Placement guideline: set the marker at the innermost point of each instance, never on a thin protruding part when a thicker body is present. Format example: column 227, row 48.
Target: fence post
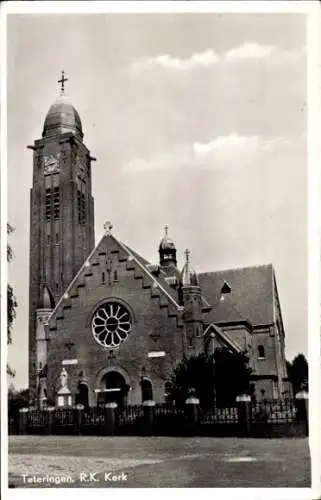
column 302, row 405
column 110, row 418
column 79, row 415
column 148, row 409
column 244, row 412
column 50, row 410
column 192, row 413
column 23, row 421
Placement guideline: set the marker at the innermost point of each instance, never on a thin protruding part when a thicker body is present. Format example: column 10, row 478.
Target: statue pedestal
column 64, row 398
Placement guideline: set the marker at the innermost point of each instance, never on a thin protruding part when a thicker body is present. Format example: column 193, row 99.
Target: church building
column 107, row 325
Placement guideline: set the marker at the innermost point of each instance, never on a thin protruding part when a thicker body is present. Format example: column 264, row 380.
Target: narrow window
column 56, row 203
column 48, row 204
column 48, row 239
column 103, row 277
column 115, row 276
column 81, row 203
column 261, row 351
column 57, row 288
column 57, row 237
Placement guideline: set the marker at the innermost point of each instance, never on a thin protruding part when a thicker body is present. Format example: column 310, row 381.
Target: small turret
column 45, row 307
column 167, row 251
column 192, row 301
column 189, row 276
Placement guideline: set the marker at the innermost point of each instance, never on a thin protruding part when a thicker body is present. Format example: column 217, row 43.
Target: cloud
column 221, row 152
column 165, row 61
column 209, row 58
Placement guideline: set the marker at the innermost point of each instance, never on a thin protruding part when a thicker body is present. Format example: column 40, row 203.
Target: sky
column 197, row 121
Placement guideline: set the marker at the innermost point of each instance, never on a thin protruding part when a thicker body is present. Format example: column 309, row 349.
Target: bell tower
column 61, row 210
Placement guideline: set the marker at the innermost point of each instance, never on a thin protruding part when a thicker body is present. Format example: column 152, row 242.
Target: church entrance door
column 114, row 389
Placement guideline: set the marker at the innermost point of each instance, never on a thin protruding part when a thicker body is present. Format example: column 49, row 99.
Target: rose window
column 111, row 324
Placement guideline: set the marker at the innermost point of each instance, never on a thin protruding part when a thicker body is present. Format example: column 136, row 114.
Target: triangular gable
column 158, row 283
column 224, row 336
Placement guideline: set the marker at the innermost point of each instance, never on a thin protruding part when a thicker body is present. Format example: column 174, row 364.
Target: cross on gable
column 108, row 226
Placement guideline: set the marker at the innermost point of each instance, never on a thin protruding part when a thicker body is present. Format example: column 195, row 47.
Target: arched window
column 261, row 351
column 82, row 395
column 147, row 389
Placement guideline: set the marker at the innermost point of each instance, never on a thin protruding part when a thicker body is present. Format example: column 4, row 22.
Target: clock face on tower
column 51, row 164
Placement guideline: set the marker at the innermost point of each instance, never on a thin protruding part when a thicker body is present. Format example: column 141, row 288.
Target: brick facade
column 169, row 310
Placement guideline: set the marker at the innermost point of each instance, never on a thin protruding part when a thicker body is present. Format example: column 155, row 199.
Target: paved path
column 81, row 461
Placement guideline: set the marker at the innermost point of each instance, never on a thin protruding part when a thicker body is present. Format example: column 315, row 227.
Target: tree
column 232, row 376
column 17, row 400
column 298, row 373
column 11, row 301
column 195, row 372
column 225, row 374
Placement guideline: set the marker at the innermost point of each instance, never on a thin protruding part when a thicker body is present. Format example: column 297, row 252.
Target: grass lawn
column 158, row 462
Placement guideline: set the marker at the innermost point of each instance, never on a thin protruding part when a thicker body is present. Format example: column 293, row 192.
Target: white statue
column 63, row 378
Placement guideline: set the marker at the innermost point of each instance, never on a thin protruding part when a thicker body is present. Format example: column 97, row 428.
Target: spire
column 62, row 81
column 189, row 276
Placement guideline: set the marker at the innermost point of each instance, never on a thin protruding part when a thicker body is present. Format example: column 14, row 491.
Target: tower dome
column 62, row 117
column 189, row 276
column 166, row 243
column 167, row 250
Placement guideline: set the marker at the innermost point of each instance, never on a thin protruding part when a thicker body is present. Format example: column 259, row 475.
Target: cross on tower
column 187, row 254
column 166, row 231
column 62, row 81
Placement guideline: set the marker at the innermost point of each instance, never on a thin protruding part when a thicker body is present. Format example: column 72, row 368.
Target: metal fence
column 37, row 418
column 284, row 411
column 130, row 415
column 219, row 416
column 264, row 418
